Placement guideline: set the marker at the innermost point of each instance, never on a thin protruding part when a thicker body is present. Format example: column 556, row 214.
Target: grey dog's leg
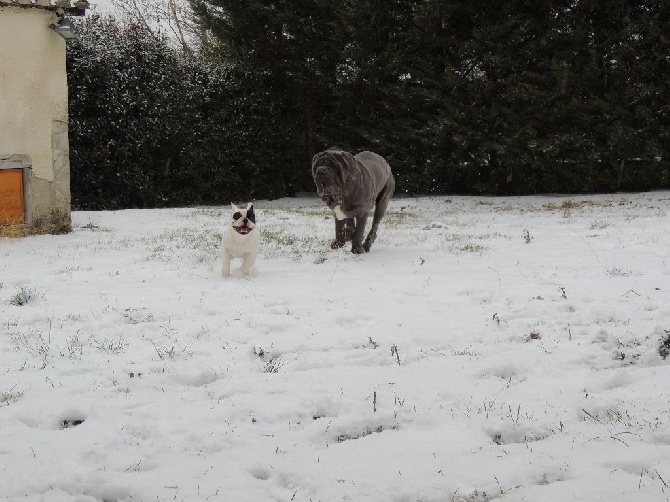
column 349, row 226
column 357, row 236
column 380, row 210
column 340, row 234
column 343, row 231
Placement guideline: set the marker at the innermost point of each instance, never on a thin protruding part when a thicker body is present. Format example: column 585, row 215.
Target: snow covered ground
column 485, row 349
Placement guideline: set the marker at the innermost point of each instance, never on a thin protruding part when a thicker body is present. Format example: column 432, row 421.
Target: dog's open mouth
column 242, row 230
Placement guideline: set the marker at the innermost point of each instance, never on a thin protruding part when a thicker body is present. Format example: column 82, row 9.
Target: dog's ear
column 237, row 214
column 345, row 164
column 315, row 161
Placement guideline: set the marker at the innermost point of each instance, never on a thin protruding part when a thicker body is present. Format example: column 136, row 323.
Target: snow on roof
column 61, row 7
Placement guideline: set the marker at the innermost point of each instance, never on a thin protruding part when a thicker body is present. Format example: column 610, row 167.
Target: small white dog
column 240, row 240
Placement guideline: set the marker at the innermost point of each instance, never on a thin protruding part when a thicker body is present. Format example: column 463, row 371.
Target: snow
column 102, row 7
column 485, row 349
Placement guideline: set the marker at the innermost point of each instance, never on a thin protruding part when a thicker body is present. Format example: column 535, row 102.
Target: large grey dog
column 352, row 185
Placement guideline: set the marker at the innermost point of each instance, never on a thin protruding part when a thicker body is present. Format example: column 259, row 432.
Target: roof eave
column 60, row 10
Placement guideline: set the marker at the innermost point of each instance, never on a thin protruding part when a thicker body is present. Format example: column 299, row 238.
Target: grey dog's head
column 330, row 170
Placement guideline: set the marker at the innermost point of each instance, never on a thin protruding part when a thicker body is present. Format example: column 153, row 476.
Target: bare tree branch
column 170, row 18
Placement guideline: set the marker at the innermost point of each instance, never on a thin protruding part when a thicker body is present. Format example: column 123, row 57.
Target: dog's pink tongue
column 242, row 230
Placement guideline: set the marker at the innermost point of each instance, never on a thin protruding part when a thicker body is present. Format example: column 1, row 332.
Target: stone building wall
column 33, row 109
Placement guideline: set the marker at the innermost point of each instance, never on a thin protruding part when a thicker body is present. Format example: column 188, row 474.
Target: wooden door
column 11, row 196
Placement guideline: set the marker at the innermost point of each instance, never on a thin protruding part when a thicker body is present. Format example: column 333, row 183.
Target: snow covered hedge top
column 69, row 7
